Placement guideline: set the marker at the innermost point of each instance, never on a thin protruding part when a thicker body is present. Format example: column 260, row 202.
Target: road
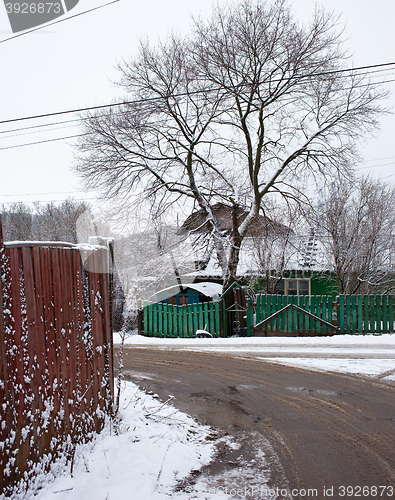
column 323, row 431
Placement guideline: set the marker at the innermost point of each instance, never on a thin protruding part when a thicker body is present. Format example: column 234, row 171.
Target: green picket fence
column 365, row 313
column 293, row 320
column 276, row 314
column 166, row 320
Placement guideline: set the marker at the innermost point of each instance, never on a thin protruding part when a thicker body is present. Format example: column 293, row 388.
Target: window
column 293, row 286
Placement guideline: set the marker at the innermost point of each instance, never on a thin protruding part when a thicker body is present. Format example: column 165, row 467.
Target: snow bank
column 156, row 446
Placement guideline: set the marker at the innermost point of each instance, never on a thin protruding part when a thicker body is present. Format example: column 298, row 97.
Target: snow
column 157, row 446
column 366, row 355
column 208, row 289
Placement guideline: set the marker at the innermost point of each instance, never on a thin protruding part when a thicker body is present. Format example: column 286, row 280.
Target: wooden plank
column 258, row 308
column 190, row 320
column 359, row 313
column 175, row 321
column 306, row 323
column 206, row 325
column 318, row 313
column 40, row 350
column 211, row 318
column 324, row 312
column 145, row 315
column 195, row 318
column 312, row 329
column 354, row 328
column 348, row 314
column 165, row 320
column 330, row 310
column 184, row 316
column 170, row 321
column 366, row 325
column 385, row 313
column 201, row 321
column 340, row 314
column 391, row 314
column 160, row 320
column 379, row 316
column 180, row 321
column 217, row 319
column 372, row 314
column 83, row 380
column 154, row 320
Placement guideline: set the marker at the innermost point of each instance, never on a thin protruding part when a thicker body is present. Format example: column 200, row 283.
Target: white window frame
column 287, row 280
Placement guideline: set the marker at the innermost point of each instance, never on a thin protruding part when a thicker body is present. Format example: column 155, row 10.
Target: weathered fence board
column 56, row 372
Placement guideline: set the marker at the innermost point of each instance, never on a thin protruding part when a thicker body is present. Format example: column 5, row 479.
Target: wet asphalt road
column 329, row 431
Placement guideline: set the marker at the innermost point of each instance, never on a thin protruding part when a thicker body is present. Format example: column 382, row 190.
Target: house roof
column 208, row 289
column 223, row 215
column 303, row 252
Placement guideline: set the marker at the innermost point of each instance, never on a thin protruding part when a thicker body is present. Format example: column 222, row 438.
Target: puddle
column 313, row 392
column 246, row 387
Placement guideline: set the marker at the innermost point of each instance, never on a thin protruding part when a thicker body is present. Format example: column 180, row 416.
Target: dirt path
column 323, row 431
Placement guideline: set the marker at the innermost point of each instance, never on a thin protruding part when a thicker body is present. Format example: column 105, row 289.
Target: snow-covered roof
column 212, row 290
column 302, row 252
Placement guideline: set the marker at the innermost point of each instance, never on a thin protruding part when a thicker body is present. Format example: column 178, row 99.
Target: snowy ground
column 158, row 446
column 366, row 355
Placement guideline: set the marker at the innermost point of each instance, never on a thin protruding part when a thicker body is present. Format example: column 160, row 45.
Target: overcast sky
column 70, row 65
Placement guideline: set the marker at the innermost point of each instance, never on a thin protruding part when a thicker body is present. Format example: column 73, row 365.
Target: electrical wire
column 152, row 99
column 42, row 142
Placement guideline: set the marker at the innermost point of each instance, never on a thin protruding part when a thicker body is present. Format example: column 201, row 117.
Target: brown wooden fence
column 56, row 376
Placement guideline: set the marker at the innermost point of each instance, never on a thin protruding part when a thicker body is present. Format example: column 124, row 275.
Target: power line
column 380, row 159
column 375, row 166
column 58, row 21
column 90, row 108
column 61, row 122
column 40, row 126
column 47, row 201
column 42, row 194
column 42, row 142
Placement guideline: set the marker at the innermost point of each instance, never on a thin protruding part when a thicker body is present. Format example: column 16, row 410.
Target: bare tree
column 357, row 220
column 247, row 108
column 49, row 221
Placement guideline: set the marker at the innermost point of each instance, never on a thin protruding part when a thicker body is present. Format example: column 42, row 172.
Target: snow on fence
column 56, row 377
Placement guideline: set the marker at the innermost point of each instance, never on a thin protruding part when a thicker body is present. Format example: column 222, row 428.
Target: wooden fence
column 165, row 320
column 366, row 313
column 314, row 315
column 56, row 377
column 308, row 315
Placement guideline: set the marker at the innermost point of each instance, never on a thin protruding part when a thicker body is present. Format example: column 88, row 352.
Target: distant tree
column 44, row 222
column 357, row 221
column 246, row 109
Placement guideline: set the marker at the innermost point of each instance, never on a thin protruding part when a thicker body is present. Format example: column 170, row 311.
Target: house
column 191, row 293
column 273, row 258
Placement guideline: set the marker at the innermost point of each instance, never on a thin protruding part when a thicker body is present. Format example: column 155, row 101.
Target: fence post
column 250, row 318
